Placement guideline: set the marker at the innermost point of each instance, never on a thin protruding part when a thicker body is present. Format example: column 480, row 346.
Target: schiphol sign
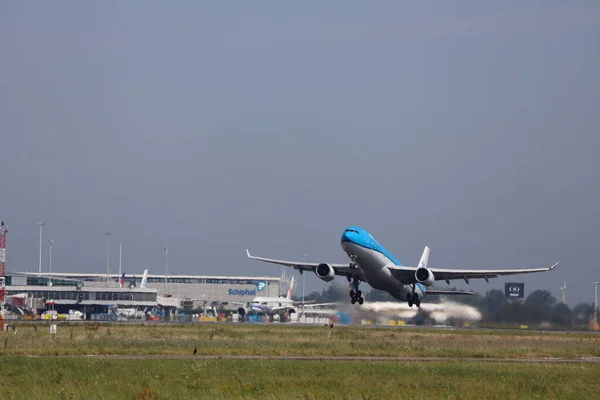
column 514, row 290
column 260, row 286
column 241, row 292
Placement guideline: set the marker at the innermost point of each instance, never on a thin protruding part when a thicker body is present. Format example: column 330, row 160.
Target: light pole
column 107, row 256
column 50, row 262
column 302, row 273
column 166, row 267
column 596, row 304
column 120, row 253
column 40, row 224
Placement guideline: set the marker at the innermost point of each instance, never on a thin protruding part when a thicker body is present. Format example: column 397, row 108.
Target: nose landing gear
column 356, row 294
column 352, row 263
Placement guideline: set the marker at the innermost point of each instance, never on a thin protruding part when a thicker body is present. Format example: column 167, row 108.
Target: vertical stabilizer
column 424, row 258
column 291, row 289
column 144, row 279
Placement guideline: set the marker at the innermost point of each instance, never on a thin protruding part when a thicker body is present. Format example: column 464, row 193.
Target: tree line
column 539, row 307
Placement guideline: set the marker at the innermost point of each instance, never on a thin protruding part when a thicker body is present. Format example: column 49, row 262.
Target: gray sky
column 471, row 127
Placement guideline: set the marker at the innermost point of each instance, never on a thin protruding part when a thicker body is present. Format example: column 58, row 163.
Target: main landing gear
column 413, row 298
column 355, row 293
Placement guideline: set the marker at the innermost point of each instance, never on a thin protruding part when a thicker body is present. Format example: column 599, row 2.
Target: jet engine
column 325, row 272
column 241, row 311
column 424, row 276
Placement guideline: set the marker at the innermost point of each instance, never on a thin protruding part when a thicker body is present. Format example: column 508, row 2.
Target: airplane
column 274, row 305
column 370, row 262
column 143, row 283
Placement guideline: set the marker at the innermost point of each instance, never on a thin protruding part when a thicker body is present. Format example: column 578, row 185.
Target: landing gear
column 413, row 298
column 356, row 294
column 352, row 263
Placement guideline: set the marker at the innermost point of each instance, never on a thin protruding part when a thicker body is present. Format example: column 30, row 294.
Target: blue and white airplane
column 370, row 262
column 275, row 305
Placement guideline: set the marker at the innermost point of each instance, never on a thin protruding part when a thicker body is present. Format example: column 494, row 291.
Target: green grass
column 246, row 339
column 85, row 378
column 100, row 378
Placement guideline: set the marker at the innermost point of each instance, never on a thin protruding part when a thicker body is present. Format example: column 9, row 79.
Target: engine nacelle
column 241, row 311
column 325, row 272
column 424, row 276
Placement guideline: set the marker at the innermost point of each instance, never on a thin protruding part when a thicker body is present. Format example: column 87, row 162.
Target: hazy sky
column 472, row 127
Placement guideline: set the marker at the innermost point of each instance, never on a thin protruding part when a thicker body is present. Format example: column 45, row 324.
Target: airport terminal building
column 96, row 291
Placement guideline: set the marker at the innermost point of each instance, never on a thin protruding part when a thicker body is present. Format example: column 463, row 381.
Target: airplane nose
column 346, row 237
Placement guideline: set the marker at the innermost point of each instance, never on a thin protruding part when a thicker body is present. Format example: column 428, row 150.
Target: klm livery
column 370, row 262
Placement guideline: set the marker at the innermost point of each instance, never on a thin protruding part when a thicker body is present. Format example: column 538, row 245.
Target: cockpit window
column 351, row 230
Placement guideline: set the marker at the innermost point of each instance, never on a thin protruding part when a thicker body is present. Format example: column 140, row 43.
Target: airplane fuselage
column 267, row 304
column 372, row 259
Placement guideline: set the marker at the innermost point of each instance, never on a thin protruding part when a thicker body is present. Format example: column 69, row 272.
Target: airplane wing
column 306, row 305
column 407, row 274
column 286, row 307
column 340, row 269
column 224, row 302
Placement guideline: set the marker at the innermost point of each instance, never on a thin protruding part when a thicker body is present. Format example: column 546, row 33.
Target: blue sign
column 241, row 292
column 260, row 285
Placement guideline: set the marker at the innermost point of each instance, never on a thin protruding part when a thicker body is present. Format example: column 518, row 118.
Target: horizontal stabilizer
column 451, row 292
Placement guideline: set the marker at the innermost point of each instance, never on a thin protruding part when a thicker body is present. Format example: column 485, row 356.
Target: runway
column 369, row 326
column 542, row 360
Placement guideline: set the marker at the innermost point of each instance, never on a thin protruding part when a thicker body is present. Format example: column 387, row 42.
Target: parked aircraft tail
column 144, row 279
column 291, row 289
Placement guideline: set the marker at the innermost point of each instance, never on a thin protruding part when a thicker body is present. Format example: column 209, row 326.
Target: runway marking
column 583, row 360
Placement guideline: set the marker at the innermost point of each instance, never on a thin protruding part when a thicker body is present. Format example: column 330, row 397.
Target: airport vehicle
column 370, row 262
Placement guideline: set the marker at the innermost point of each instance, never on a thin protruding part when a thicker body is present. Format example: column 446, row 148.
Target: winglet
column 554, row 266
column 248, row 253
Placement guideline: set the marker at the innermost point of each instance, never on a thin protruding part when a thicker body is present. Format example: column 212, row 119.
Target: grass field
column 84, row 378
column 248, row 339
column 52, row 376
